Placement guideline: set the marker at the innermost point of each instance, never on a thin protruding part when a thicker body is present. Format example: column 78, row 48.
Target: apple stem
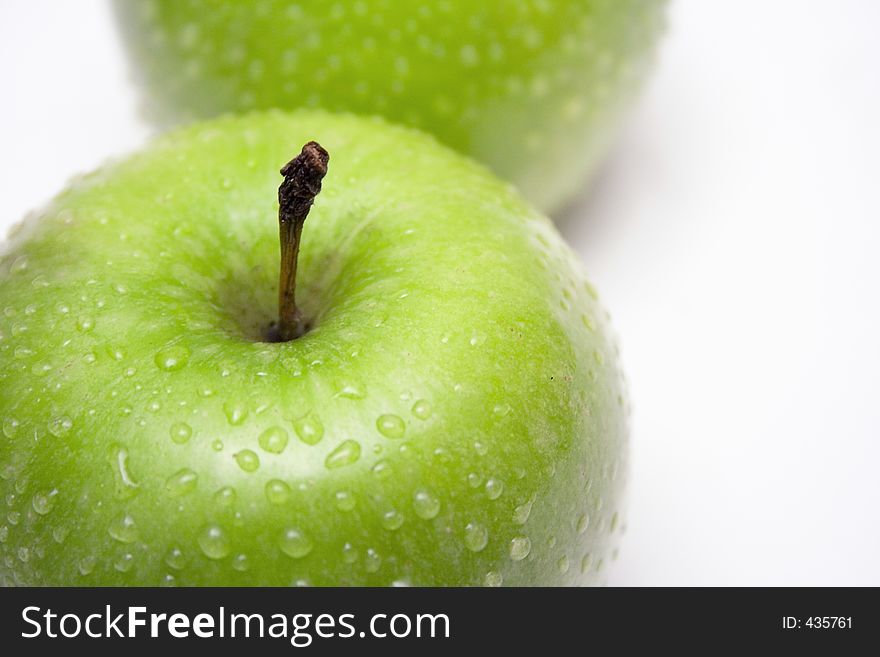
column 302, row 183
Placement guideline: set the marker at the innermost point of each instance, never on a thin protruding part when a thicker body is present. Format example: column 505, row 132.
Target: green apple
column 531, row 88
column 450, row 413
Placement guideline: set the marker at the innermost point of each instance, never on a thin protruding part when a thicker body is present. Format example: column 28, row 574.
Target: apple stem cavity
column 297, row 192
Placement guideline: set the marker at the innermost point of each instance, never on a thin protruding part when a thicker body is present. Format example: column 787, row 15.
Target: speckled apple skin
column 532, row 88
column 455, row 417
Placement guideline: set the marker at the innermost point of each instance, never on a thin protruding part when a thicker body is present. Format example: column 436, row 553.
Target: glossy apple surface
column 455, row 416
column 531, row 88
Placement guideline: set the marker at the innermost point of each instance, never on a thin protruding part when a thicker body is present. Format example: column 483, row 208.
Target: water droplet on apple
column 10, row 427
column 583, row 523
column 126, row 487
column 247, row 460
column 181, row 432
column 174, row 558
column 225, row 497
column 241, row 563
column 60, row 534
column 493, row 579
column 344, row 500
column 43, row 502
column 382, row 469
column 273, row 440
column 421, row 409
column 392, row 520
column 172, row 358
column 213, row 542
column 294, row 544
column 351, row 392
column 589, row 323
column 481, row 448
column 346, row 453
column 391, row 426
column 474, row 480
column 86, row 565
column 309, row 429
column 522, row 512
column 426, row 505
column 182, row 482
column 349, row 553
column 586, row 563
column 475, row 537
column 562, row 564
column 85, row 324
column 123, row 529
column 494, row 488
column 372, row 561
column 236, row 413
column 501, row 410
column 277, row 491
column 520, row 547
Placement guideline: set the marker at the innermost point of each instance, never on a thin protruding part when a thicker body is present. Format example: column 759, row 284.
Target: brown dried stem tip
column 302, row 183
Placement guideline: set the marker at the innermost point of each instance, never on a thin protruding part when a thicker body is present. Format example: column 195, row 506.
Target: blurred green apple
column 452, row 415
column 529, row 87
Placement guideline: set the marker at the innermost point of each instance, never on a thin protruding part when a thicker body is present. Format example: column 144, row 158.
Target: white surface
column 733, row 233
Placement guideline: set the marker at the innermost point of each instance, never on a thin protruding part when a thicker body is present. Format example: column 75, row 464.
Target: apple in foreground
column 531, row 88
column 438, row 403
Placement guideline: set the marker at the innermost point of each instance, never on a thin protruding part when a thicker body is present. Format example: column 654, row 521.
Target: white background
column 733, row 233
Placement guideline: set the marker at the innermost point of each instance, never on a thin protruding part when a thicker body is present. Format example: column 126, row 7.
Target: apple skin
column 530, row 88
column 455, row 417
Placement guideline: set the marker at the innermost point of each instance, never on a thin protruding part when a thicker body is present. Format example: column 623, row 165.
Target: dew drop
column 422, row 409
column 346, row 453
column 583, row 523
column 236, row 413
column 474, row 480
column 10, row 427
column 351, row 392
column 392, row 520
column 309, row 429
column 522, row 512
column 181, row 432
column 181, row 483
column 172, row 358
column 562, row 564
column 426, row 505
column 85, row 324
column 123, row 529
column 225, row 497
column 481, row 448
column 247, row 460
column 126, row 486
column 586, row 563
column 493, row 579
column 43, row 502
column 349, row 553
column 277, row 491
column 174, row 558
column 520, row 547
column 382, row 470
column 372, row 561
column 344, row 500
column 273, row 440
column 86, row 566
column 294, row 544
column 475, row 537
column 391, row 426
column 213, row 542
column 501, row 410
column 494, row 488
column 241, row 563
